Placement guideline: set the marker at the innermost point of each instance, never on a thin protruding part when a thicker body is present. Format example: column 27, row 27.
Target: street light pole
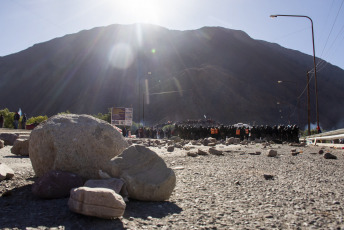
column 315, row 67
column 308, row 106
column 143, row 110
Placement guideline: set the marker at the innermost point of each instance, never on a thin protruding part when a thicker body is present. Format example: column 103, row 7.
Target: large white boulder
column 79, row 144
column 145, row 174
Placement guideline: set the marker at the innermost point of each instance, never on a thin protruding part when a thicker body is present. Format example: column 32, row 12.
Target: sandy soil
column 234, row 191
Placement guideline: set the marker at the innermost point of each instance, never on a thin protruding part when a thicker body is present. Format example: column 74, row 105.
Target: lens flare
column 121, row 56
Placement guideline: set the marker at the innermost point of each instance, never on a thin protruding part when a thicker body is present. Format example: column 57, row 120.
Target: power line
column 306, row 85
column 332, row 28
column 322, row 61
column 322, row 64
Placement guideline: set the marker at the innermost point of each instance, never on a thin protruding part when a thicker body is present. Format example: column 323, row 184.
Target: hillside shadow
column 141, row 209
column 21, row 209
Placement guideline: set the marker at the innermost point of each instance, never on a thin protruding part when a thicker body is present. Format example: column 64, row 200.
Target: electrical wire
column 306, row 86
column 332, row 28
column 322, row 63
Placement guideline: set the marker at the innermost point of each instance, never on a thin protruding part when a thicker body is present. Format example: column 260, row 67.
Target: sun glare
column 121, row 56
column 143, row 11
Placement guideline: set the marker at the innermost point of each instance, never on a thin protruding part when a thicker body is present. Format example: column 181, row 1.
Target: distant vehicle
column 239, row 125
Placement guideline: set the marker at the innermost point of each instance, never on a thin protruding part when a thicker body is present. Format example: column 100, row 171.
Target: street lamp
column 315, row 67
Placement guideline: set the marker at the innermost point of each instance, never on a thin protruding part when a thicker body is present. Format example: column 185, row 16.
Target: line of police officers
column 281, row 133
column 289, row 133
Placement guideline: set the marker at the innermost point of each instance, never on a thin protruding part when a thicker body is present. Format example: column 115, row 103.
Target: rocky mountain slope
column 220, row 73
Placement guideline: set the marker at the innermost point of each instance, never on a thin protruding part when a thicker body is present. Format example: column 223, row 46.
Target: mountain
column 220, row 73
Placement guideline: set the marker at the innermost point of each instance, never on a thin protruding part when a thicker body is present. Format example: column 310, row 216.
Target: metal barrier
column 336, row 138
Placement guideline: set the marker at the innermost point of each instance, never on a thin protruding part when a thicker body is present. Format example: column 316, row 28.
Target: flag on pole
column 20, row 112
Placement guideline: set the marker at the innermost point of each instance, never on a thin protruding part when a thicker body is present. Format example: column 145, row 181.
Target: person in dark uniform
column 1, row 121
column 16, row 120
column 23, row 121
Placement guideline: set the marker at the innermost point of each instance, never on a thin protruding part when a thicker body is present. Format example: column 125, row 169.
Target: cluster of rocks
column 12, row 139
column 79, row 148
column 100, row 198
column 20, row 143
column 188, row 145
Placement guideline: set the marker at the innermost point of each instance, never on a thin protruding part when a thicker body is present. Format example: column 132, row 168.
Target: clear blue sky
column 24, row 23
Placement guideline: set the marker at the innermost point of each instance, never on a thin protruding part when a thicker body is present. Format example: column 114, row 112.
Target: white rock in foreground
column 146, row 175
column 5, row 172
column 100, row 202
column 79, row 144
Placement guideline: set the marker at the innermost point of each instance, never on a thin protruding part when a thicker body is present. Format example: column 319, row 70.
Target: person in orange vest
column 237, row 132
column 212, row 132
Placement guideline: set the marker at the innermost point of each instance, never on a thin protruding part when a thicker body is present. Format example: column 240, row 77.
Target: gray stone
column 145, row 173
column 330, row 156
column 170, row 148
column 176, row 139
column 201, row 152
column 236, row 140
column 192, row 154
column 2, row 144
column 244, row 142
column 193, row 142
column 268, row 177
column 8, row 138
column 214, row 151
column 5, row 172
column 179, row 146
column 80, row 144
column 99, row 202
column 56, row 184
column 295, row 153
column 271, row 153
column 209, row 140
column 21, row 147
column 112, row 183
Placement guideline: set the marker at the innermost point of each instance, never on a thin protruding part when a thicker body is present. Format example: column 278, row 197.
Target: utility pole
column 314, row 62
column 308, row 106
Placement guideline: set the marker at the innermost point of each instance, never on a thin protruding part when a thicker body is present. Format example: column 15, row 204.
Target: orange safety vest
column 216, row 131
column 237, row 132
column 247, row 131
column 212, row 131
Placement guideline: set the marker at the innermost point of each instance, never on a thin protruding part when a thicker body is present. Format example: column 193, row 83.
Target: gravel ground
column 234, row 191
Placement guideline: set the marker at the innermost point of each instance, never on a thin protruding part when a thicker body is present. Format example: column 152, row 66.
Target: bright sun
column 143, row 11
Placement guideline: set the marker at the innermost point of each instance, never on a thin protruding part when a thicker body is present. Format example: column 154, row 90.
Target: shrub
column 104, row 117
column 67, row 112
column 8, row 117
column 38, row 119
